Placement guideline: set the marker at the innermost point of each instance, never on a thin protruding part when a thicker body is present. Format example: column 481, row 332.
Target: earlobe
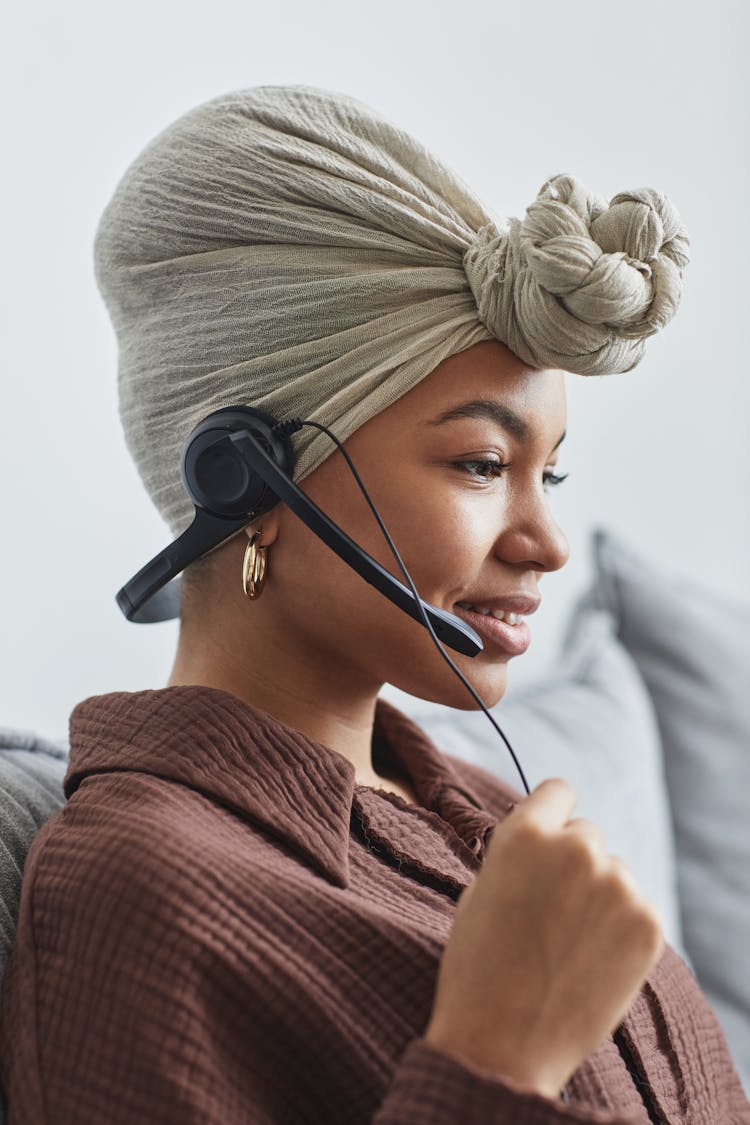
column 269, row 523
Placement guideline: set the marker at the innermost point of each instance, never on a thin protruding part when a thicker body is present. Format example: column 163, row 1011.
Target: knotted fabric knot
column 580, row 283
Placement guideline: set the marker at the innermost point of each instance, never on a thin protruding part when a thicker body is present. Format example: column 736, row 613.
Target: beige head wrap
column 288, row 248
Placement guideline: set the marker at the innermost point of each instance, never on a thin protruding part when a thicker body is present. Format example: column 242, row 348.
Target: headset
column 238, row 463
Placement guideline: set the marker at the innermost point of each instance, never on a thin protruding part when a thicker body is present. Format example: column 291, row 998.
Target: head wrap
column 289, row 248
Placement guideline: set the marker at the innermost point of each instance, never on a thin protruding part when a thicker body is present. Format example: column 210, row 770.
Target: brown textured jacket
column 221, row 927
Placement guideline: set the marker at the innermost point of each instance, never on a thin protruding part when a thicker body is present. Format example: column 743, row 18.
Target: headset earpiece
column 217, row 479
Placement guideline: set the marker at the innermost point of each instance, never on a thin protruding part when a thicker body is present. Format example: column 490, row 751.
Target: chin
column 455, row 694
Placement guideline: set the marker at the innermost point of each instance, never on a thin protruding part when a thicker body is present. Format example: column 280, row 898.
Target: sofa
column 646, row 711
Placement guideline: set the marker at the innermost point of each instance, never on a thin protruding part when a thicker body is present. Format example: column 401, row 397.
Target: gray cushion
column 31, row 775
column 692, row 647
column 590, row 720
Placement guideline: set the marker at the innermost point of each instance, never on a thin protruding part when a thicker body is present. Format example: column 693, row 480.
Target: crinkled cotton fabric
column 222, row 926
column 290, row 248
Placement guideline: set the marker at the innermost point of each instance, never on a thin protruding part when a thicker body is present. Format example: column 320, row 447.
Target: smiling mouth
column 513, row 639
column 498, row 614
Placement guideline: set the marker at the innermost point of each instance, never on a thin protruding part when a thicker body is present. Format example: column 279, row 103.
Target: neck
column 299, row 689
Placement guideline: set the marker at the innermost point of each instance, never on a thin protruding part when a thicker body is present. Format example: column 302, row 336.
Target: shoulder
column 132, row 853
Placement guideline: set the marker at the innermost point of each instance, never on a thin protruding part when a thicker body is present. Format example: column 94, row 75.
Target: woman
column 270, row 898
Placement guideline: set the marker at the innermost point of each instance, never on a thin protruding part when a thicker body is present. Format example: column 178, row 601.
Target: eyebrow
column 490, row 411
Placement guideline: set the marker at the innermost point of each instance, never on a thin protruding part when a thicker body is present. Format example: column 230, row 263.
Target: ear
column 269, row 522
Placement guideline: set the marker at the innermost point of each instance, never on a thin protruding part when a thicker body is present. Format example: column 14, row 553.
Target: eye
column 551, row 478
column 496, row 467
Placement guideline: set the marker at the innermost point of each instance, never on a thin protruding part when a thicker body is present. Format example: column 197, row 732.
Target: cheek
column 441, row 532
column 443, row 540
column 337, row 614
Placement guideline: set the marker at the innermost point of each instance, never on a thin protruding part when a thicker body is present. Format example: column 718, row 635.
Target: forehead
column 490, row 372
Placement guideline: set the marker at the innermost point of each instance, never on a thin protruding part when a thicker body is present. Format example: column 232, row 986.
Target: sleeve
column 434, row 1087
column 738, row 1100
column 679, row 1034
column 715, row 1070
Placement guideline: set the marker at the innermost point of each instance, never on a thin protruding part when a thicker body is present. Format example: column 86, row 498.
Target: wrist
column 499, row 1065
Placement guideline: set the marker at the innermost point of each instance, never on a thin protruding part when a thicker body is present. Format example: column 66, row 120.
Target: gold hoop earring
column 254, row 567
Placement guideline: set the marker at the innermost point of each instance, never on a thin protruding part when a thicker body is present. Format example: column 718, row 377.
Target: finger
column 550, row 804
column 591, row 831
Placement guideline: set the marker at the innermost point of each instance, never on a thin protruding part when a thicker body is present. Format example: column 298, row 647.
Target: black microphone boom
column 451, row 630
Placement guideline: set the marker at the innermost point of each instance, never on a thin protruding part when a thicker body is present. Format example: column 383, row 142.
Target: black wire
column 294, row 424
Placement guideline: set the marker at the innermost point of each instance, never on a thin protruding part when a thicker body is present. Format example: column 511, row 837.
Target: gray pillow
column 692, row 647
column 31, row 776
column 590, row 720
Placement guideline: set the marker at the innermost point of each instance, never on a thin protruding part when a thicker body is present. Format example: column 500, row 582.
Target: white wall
column 650, row 93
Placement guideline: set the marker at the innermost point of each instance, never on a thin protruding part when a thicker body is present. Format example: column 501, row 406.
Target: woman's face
column 464, row 533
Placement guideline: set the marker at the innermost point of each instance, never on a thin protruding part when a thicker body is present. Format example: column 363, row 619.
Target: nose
column 531, row 537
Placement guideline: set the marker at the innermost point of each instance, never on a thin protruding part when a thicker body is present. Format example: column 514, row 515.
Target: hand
column 549, row 947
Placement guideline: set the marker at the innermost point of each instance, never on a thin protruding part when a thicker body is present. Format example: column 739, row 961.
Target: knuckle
column 649, row 937
column 649, row 922
column 529, row 828
column 618, row 887
column 641, row 917
column 583, row 850
column 528, row 831
column 587, row 829
column 618, row 877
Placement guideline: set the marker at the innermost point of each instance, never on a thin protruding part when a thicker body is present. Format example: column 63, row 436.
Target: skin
column 318, row 645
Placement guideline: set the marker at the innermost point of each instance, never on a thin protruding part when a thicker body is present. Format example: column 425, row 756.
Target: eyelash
column 548, row 477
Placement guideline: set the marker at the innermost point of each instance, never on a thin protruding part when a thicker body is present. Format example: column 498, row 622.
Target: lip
column 524, row 604
column 514, row 639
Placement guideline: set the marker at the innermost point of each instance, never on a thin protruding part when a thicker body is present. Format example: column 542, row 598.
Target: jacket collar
column 297, row 789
